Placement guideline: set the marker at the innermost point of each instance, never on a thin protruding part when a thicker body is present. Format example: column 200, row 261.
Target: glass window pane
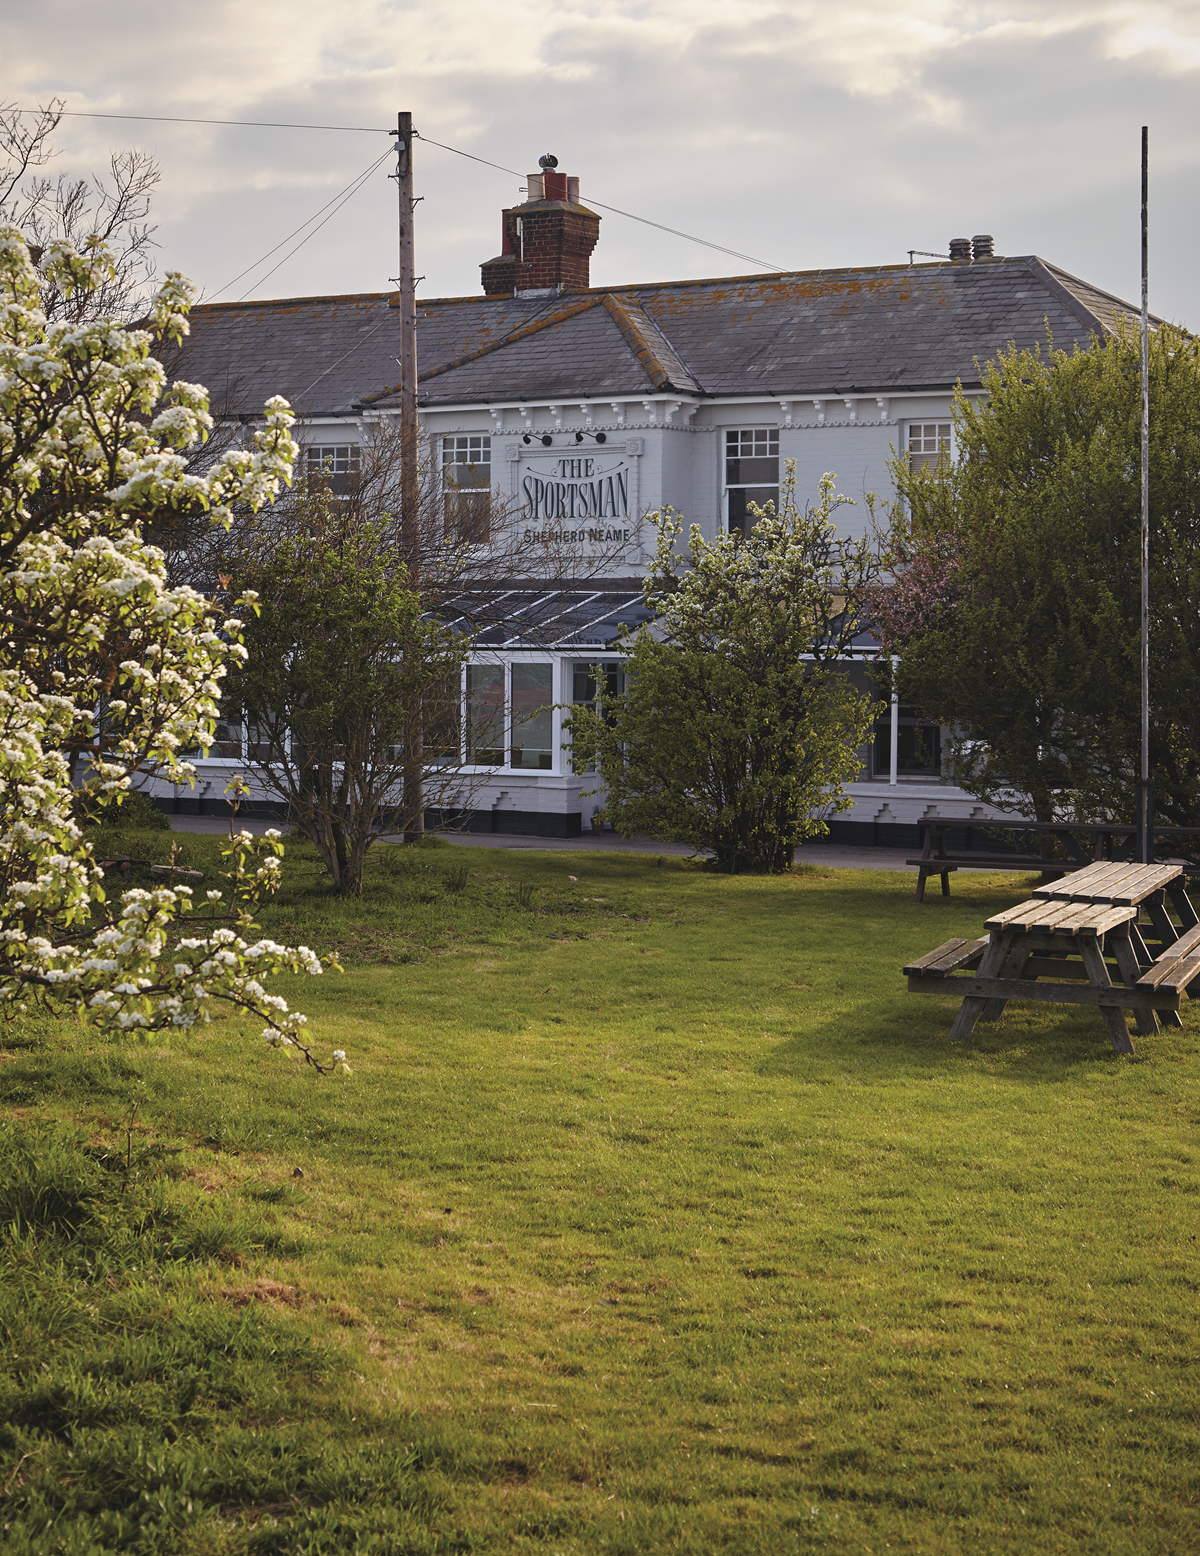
column 468, row 477
column 740, row 498
column 470, row 449
column 751, row 472
column 918, row 745
column 752, row 456
column 584, row 682
column 583, row 689
column 442, row 708
column 485, row 715
column 928, row 444
column 754, row 442
column 258, row 739
column 227, row 737
column 533, row 718
column 335, row 465
column 469, row 516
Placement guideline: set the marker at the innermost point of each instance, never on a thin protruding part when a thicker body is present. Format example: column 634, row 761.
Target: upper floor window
column 751, row 473
column 467, row 487
column 334, row 463
column 928, row 444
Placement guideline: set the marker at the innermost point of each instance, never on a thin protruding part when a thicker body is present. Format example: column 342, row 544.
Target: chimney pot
column 982, row 245
column 960, row 250
column 547, row 242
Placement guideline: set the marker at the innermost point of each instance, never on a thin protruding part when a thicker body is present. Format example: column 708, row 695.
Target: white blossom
column 91, row 398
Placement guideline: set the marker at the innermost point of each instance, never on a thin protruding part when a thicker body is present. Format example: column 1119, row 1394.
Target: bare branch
column 24, row 146
column 110, row 209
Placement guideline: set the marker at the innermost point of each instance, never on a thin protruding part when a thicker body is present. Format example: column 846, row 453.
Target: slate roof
column 804, row 333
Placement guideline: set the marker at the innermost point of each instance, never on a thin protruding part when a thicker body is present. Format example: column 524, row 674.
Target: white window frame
column 333, row 460
column 577, row 661
column 453, row 438
column 771, row 432
column 243, row 759
column 927, row 456
column 507, row 658
column 562, row 673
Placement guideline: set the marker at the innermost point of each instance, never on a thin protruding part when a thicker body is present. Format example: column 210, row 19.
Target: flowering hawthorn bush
column 923, row 597
column 737, row 727
column 105, row 671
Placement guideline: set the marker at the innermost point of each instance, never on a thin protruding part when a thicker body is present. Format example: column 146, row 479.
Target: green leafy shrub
column 136, row 812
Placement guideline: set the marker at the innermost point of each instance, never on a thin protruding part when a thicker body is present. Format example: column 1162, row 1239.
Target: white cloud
column 804, row 132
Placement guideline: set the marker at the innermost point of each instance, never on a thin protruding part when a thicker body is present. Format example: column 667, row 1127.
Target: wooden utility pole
column 410, row 516
column 1146, row 786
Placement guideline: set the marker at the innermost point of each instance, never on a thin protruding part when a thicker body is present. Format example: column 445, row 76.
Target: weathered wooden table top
column 1082, row 920
column 1116, row 884
column 1060, row 933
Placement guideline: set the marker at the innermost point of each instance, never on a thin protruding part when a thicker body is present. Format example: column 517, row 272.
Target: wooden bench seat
column 1180, row 975
column 971, row 861
column 1178, row 967
column 948, row 958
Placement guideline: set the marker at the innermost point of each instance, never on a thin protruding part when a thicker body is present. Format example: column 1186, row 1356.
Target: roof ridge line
column 552, row 316
column 1120, row 304
column 622, row 315
column 292, row 302
column 1045, row 274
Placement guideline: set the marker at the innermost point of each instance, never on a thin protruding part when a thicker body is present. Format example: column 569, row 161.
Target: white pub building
column 578, row 409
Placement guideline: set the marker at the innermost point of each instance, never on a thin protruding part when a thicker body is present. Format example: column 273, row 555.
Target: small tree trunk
column 414, row 772
column 1043, row 810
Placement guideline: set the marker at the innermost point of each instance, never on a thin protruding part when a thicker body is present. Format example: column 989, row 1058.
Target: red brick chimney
column 547, row 243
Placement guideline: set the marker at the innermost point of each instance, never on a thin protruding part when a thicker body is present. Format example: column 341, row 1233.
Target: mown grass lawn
column 656, row 1215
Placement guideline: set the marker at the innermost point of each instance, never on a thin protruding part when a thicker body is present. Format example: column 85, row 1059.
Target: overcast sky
column 806, row 133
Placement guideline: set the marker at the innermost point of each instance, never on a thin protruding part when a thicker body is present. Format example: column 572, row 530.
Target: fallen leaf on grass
column 262, row 1290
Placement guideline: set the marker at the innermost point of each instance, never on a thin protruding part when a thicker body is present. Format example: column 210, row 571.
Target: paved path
column 835, row 856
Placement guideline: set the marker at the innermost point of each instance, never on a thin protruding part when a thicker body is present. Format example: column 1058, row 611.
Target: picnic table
column 1064, row 945
column 1084, row 843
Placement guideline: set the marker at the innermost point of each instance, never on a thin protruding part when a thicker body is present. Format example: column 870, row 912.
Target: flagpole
column 1145, row 788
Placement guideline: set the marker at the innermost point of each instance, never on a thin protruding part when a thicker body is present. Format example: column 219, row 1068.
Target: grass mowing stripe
column 696, row 1233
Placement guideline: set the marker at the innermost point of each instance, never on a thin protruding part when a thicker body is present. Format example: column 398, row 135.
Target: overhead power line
column 251, row 124
column 645, row 220
column 337, row 202
column 691, row 238
column 371, row 129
